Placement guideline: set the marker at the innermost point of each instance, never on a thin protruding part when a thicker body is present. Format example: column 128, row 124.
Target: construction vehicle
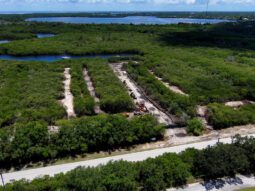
column 142, row 107
column 126, row 114
column 133, row 95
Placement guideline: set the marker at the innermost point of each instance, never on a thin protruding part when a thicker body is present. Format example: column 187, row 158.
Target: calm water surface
column 40, row 35
column 126, row 20
column 4, row 41
column 52, row 58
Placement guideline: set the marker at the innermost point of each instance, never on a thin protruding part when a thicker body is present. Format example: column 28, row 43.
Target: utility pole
column 206, row 12
column 2, row 178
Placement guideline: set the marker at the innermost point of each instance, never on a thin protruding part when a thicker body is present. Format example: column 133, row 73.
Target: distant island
column 198, row 15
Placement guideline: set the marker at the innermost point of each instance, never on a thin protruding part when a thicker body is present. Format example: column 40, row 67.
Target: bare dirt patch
column 179, row 136
column 237, row 104
column 53, row 129
column 67, row 102
column 202, row 112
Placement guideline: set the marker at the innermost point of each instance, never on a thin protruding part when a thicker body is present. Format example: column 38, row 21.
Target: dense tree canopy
column 25, row 142
column 83, row 102
column 30, row 91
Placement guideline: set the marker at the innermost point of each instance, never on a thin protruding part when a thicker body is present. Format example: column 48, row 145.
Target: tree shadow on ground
column 220, row 183
column 236, row 35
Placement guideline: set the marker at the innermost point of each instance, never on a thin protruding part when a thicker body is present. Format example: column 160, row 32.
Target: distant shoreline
column 79, row 12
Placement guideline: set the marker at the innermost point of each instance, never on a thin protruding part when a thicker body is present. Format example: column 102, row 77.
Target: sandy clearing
column 201, row 112
column 68, row 100
column 92, row 91
column 236, row 104
column 140, row 98
column 53, row 129
column 175, row 89
column 181, row 136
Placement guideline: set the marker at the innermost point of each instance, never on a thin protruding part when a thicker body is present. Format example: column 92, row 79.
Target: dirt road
column 68, row 100
column 140, row 98
column 175, row 89
column 92, row 91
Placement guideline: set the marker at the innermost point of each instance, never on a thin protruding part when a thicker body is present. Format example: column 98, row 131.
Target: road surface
column 138, row 156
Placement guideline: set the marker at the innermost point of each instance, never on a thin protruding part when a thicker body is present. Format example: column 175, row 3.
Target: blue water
column 40, row 35
column 126, row 20
column 4, row 41
column 53, row 58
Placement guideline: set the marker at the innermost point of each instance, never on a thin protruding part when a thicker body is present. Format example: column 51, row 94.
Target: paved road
column 246, row 182
column 138, row 156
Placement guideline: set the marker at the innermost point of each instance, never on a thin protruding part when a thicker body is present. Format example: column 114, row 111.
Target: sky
column 20, row 6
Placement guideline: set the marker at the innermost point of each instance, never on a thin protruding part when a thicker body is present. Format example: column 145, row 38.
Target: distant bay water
column 53, row 58
column 136, row 20
column 4, row 41
column 39, row 35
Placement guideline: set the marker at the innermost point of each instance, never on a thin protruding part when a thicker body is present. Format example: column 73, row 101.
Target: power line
column 2, row 178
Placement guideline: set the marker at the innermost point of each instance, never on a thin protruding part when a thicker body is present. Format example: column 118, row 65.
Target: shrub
column 221, row 116
column 195, row 127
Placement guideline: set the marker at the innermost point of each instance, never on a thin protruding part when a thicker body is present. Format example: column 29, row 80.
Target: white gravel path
column 237, row 104
column 68, row 100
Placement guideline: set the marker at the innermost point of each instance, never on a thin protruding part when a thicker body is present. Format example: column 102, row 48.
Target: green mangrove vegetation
column 76, row 43
column 83, row 102
column 221, row 116
column 30, row 91
column 113, row 96
column 211, row 63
